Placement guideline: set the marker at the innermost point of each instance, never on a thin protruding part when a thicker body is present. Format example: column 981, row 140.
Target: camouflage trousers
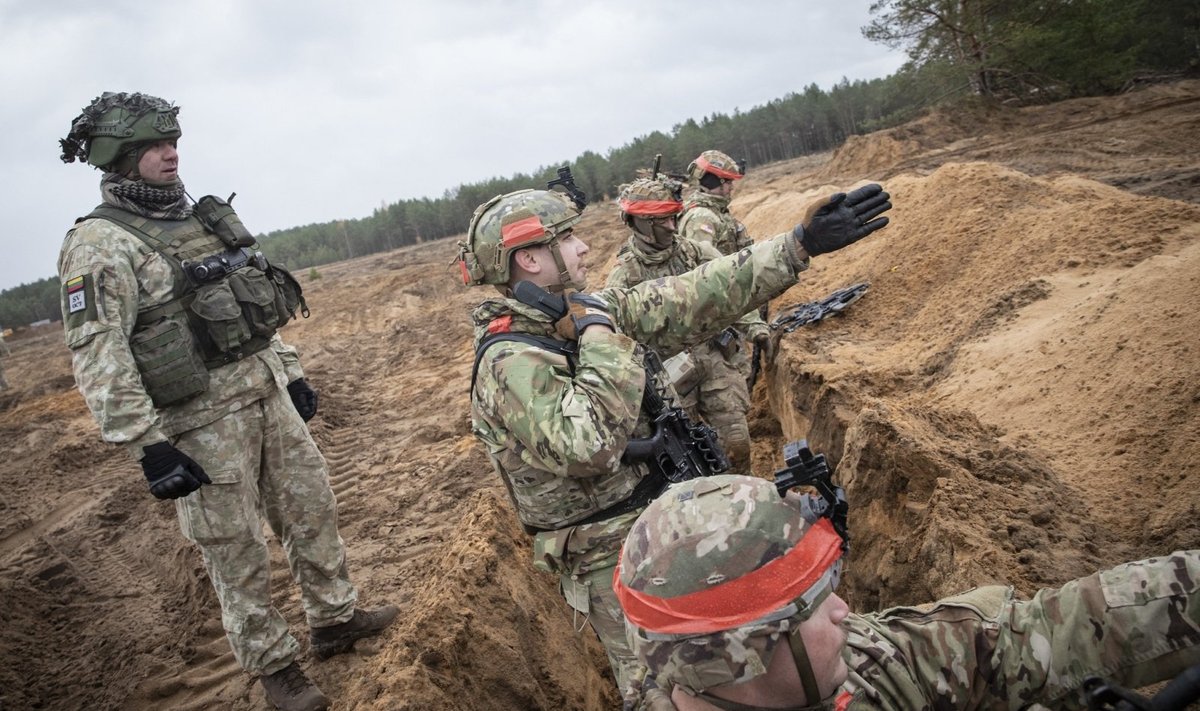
column 264, row 464
column 1134, row 625
column 592, row 598
column 722, row 400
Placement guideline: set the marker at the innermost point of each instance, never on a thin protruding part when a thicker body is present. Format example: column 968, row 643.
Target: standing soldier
column 555, row 400
column 171, row 318
column 729, row 593
column 712, row 386
column 706, row 218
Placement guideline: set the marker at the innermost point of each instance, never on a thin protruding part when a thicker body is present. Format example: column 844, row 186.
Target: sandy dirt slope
column 1016, row 399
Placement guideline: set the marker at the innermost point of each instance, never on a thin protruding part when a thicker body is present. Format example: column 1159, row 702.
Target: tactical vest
column 731, row 235
column 684, row 258
column 547, row 501
column 226, row 304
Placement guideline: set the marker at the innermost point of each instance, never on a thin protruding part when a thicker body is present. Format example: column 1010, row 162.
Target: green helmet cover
column 115, row 123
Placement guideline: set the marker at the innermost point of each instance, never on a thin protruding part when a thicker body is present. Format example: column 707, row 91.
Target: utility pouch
column 289, row 291
column 168, row 360
column 727, row 341
column 219, row 217
column 259, row 301
column 221, row 314
column 682, row 373
column 550, row 551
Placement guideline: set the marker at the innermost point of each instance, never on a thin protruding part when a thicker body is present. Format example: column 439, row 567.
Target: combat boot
column 290, row 690
column 328, row 641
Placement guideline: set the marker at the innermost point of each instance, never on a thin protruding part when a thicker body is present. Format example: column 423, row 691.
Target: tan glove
column 583, row 310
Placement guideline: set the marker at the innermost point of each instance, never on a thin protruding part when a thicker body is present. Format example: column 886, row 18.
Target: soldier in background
column 555, row 401
column 706, row 218
column 729, row 593
column 710, row 384
column 171, row 318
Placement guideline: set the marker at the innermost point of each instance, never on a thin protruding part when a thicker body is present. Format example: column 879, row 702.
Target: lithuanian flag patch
column 76, row 294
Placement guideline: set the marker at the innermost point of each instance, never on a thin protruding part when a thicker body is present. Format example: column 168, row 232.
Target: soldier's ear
column 526, row 260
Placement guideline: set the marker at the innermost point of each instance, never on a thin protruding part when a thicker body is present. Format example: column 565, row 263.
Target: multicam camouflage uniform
column 555, row 427
column 720, row 397
column 243, row 430
column 1134, row 625
column 706, row 218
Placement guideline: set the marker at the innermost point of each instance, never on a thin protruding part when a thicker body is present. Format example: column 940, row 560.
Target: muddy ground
column 1016, row 400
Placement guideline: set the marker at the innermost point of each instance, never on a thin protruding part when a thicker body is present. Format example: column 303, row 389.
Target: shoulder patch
column 79, row 300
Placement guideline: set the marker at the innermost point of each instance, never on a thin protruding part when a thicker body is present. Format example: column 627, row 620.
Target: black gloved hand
column 304, row 398
column 844, row 220
column 583, row 310
column 171, row 473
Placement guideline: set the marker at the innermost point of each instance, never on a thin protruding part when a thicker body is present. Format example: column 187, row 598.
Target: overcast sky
column 316, row 111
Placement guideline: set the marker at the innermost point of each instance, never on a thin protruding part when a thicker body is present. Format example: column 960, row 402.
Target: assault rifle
column 797, row 315
column 807, row 469
column 679, row 449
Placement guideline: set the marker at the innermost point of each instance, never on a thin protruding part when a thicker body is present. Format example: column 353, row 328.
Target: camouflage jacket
column 122, row 276
column 555, row 427
column 706, row 218
column 1134, row 624
column 635, row 264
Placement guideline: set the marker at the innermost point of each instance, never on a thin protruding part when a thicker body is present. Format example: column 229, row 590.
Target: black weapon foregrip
column 533, row 295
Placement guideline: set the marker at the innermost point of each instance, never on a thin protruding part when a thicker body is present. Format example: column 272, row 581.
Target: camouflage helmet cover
column 507, row 223
column 649, row 197
column 715, row 162
column 114, row 123
column 716, row 572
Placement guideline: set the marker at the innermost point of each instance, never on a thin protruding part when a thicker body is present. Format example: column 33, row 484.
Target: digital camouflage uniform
column 720, row 396
column 555, row 427
column 243, row 430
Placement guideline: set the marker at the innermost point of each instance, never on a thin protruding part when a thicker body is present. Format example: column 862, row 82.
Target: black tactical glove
column 171, row 473
column 304, row 398
column 583, row 310
column 844, row 220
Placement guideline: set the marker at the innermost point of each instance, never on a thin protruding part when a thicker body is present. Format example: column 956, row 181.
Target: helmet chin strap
column 812, row 693
column 564, row 276
column 807, row 679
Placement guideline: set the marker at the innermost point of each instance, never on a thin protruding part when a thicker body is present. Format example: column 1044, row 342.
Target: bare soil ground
column 1016, row 400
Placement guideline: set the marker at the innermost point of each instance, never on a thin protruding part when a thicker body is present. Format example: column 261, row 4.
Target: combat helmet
column 115, row 124
column 506, row 223
column 649, row 197
column 718, row 571
column 715, row 163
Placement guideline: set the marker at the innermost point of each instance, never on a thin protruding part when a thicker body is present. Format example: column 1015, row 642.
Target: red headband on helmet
column 651, row 208
column 707, row 167
column 739, row 601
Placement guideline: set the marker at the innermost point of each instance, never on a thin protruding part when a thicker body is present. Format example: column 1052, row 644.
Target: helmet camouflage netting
column 114, row 123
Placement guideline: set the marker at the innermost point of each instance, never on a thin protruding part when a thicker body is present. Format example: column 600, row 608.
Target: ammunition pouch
column 167, row 356
column 226, row 304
